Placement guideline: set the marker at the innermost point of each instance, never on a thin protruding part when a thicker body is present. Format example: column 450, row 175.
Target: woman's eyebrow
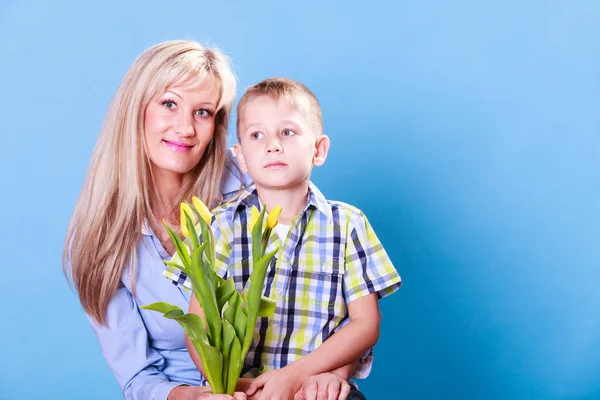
column 174, row 93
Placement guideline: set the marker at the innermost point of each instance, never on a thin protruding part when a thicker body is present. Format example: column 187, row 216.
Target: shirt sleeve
column 124, row 343
column 368, row 269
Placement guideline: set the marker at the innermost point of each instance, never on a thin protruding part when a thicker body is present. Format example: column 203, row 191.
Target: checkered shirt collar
column 316, row 200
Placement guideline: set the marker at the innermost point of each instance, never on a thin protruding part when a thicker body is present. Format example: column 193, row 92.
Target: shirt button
column 279, row 292
column 275, row 325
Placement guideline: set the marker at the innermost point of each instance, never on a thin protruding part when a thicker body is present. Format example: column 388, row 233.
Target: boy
column 330, row 269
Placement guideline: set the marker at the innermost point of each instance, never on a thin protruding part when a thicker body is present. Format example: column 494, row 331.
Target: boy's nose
column 274, row 147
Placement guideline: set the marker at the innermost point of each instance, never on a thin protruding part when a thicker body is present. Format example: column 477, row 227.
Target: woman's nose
column 184, row 126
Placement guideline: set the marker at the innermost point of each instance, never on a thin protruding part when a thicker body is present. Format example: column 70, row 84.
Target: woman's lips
column 178, row 146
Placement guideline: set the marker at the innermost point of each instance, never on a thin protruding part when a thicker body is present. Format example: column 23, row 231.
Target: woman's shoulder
column 233, row 179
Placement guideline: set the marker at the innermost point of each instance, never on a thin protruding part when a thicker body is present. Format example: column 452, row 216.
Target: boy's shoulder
column 226, row 209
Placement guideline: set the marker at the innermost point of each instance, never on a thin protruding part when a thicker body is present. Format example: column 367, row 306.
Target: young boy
column 330, row 270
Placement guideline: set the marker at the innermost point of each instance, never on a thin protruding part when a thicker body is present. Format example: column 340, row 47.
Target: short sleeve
column 368, row 269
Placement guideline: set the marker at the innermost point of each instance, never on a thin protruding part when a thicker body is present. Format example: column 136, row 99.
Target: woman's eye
column 203, row 113
column 288, row 132
column 256, row 135
column 169, row 104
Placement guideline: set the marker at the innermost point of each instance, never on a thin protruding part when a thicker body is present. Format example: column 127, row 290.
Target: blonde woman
column 163, row 139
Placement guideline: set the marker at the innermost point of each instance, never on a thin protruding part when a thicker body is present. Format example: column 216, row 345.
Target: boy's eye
column 256, row 135
column 288, row 132
column 170, row 104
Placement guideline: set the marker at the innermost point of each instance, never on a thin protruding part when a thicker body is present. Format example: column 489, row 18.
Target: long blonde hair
column 115, row 200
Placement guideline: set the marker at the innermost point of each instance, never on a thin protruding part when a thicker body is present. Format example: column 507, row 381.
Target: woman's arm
column 124, row 343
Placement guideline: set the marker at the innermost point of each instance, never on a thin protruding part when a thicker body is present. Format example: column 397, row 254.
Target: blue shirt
column 145, row 351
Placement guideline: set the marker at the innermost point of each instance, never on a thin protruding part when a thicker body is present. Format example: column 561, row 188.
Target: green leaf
column 235, row 315
column 204, row 276
column 212, row 361
column 224, row 293
column 192, row 230
column 253, row 296
column 209, row 239
column 161, row 306
column 180, row 247
column 192, row 324
column 228, row 336
column 235, row 366
column 257, row 236
column 194, row 327
column 267, row 307
column 175, row 265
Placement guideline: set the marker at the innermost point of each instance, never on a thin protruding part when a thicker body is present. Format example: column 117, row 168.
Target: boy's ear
column 240, row 157
column 321, row 150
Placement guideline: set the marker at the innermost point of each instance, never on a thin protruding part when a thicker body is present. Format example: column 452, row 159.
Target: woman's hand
column 200, row 393
column 326, row 386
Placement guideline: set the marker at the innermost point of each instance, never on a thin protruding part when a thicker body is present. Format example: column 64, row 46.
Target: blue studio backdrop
column 467, row 131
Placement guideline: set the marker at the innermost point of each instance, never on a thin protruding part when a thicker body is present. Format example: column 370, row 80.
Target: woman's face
column 178, row 126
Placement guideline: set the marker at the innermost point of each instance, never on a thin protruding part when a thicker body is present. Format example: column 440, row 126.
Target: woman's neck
column 166, row 195
column 291, row 200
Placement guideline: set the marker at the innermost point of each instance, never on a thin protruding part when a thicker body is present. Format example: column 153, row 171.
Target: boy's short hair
column 294, row 92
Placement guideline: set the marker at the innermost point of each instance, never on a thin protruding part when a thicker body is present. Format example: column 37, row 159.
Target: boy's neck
column 291, row 200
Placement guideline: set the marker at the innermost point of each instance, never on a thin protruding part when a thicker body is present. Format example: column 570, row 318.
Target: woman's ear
column 321, row 150
column 240, row 157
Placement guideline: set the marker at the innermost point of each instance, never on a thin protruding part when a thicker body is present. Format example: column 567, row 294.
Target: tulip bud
column 185, row 209
column 202, row 210
column 273, row 217
column 253, row 217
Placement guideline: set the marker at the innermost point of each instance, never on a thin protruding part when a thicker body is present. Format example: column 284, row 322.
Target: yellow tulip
column 185, row 209
column 253, row 217
column 273, row 217
column 202, row 209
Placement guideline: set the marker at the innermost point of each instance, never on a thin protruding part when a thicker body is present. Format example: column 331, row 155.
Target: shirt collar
column 146, row 228
column 316, row 200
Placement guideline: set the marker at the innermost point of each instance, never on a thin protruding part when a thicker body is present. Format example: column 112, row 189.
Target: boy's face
column 277, row 146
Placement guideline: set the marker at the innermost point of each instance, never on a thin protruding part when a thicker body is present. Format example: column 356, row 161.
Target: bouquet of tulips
column 223, row 342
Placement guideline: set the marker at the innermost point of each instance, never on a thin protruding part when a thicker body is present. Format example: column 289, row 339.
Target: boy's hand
column 281, row 384
column 326, row 386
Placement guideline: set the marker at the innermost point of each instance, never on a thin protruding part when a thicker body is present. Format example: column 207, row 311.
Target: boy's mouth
column 276, row 165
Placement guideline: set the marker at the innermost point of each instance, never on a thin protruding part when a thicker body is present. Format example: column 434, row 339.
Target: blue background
column 469, row 133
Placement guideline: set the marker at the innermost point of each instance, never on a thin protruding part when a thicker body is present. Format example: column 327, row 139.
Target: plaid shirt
column 330, row 257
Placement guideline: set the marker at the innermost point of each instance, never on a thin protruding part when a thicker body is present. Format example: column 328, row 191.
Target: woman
column 163, row 140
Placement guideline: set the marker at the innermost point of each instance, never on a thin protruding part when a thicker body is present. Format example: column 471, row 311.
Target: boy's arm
column 341, row 349
column 345, row 372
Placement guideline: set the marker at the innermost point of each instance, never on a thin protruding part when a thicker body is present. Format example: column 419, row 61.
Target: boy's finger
column 333, row 391
column 345, row 391
column 255, row 385
column 239, row 396
column 310, row 390
column 299, row 395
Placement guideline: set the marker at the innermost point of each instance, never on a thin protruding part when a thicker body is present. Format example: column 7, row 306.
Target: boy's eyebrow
column 259, row 125
column 290, row 121
column 253, row 125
